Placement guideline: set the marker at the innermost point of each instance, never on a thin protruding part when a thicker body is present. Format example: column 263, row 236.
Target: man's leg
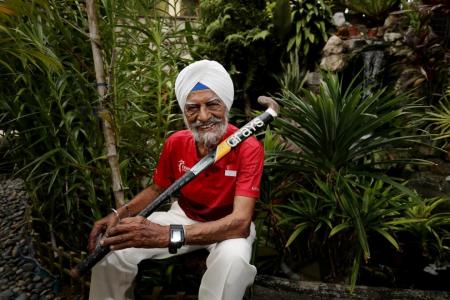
column 112, row 277
column 229, row 271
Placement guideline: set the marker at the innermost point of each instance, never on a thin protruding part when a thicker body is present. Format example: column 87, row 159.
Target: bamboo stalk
column 60, row 261
column 107, row 119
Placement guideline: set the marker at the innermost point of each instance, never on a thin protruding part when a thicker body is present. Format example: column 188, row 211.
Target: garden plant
column 341, row 160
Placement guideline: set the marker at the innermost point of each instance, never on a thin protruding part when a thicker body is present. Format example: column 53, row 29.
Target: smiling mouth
column 207, row 127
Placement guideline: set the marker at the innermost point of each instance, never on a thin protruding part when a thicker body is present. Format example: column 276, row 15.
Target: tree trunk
column 107, row 119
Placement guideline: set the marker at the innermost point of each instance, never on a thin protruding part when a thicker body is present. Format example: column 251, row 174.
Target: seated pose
column 214, row 211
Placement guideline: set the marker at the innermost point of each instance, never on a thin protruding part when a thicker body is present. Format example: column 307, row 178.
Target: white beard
column 209, row 139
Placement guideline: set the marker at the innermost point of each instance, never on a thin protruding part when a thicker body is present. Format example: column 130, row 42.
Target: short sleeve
column 251, row 163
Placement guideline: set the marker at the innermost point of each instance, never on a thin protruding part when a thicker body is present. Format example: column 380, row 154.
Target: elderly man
column 214, row 211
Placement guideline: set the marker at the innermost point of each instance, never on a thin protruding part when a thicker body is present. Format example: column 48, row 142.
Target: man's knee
column 115, row 261
column 232, row 253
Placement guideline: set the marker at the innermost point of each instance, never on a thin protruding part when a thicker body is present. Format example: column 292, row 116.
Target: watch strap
column 175, row 245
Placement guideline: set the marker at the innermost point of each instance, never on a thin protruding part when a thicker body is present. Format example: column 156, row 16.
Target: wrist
column 124, row 211
column 176, row 237
column 167, row 236
column 115, row 214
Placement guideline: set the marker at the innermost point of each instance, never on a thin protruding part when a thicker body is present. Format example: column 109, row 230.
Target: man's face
column 206, row 116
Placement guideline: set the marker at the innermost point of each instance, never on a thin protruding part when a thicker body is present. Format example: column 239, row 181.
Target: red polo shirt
column 210, row 195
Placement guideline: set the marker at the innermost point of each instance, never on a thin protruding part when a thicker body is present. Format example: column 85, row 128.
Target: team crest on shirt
column 182, row 168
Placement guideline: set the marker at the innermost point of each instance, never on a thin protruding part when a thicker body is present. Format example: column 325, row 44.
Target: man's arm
column 140, row 201
column 234, row 225
column 105, row 224
column 141, row 233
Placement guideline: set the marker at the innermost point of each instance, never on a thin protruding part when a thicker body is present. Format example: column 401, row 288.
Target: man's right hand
column 101, row 227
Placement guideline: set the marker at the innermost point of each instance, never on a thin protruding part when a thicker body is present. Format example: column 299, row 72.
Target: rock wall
column 21, row 276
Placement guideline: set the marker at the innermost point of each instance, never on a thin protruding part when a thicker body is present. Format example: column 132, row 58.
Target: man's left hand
column 137, row 232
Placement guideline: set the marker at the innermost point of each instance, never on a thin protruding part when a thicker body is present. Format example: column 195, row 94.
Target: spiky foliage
column 337, row 129
column 51, row 128
column 50, row 119
column 439, row 117
column 375, row 9
column 331, row 169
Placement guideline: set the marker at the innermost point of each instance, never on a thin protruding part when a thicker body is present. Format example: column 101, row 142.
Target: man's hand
column 137, row 232
column 102, row 226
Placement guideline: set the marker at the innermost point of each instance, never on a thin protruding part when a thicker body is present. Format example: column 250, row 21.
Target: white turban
column 209, row 73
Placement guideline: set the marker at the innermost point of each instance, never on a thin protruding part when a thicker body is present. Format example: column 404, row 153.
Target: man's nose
column 204, row 114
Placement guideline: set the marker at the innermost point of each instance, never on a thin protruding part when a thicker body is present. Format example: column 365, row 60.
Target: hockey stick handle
column 221, row 150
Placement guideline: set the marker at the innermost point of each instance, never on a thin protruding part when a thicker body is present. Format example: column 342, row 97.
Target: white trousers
column 228, row 272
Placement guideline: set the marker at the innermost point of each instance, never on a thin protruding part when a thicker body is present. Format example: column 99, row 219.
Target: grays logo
column 244, row 132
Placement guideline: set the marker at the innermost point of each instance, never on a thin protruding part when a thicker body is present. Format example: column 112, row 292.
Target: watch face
column 176, row 236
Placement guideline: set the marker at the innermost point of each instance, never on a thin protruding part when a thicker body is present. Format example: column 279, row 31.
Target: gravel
column 21, row 276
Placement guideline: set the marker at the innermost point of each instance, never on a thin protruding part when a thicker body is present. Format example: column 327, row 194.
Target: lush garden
column 365, row 108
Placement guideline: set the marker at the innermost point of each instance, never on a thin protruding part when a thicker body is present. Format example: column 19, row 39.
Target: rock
column 313, row 78
column 39, row 286
column 338, row 19
column 47, row 280
column 15, row 251
column 28, row 267
column 22, row 297
column 335, row 62
column 390, row 21
column 334, row 45
column 352, row 44
column 392, row 36
column 5, row 295
column 36, row 278
column 269, row 287
column 20, row 283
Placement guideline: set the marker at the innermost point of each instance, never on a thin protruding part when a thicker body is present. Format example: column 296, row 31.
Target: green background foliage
column 329, row 192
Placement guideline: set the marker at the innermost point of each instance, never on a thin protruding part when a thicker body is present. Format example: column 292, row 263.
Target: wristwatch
column 176, row 238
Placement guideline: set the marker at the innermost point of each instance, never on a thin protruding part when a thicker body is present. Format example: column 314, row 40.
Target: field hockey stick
column 221, row 150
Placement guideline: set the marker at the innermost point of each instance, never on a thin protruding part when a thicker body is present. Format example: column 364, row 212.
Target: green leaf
column 339, row 228
column 388, row 237
column 299, row 229
column 261, row 35
column 282, row 18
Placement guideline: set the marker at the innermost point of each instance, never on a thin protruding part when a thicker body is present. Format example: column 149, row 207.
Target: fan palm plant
column 336, row 141
column 430, row 233
column 440, row 119
column 338, row 129
column 342, row 218
column 374, row 9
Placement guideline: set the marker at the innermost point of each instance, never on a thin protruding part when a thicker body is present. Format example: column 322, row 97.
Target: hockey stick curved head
column 269, row 103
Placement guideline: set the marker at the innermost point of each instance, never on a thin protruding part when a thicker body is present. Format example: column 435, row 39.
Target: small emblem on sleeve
column 182, row 168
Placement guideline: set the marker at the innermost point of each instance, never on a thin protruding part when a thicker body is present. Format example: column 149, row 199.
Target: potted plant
column 375, row 11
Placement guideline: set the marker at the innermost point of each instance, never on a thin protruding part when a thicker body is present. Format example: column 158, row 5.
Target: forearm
column 140, row 201
column 234, row 225
column 211, row 232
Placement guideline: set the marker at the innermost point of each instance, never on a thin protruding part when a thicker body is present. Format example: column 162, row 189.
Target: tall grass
column 149, row 48
column 49, row 119
column 48, row 107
